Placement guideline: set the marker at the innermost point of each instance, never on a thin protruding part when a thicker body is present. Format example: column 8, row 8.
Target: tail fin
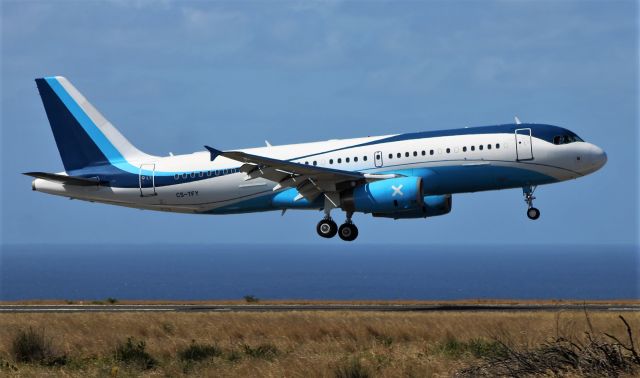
column 84, row 137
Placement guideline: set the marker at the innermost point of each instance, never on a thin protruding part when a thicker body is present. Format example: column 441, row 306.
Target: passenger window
column 365, row 157
column 464, row 149
column 448, row 150
column 399, row 155
column 201, row 174
column 390, row 156
column 339, row 160
column 306, row 162
column 497, row 145
column 406, row 154
column 176, row 176
column 355, row 159
column 315, row 162
column 330, row 161
column 208, row 173
column 473, row 148
column 415, row 153
column 346, row 160
column 184, row 175
column 424, row 152
column 488, row 146
column 431, row 152
column 193, row 174
column 480, row 147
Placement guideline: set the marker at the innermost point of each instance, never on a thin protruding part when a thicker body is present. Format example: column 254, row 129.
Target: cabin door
column 524, row 148
column 377, row 158
column 147, row 180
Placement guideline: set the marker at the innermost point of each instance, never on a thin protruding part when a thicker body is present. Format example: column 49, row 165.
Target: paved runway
column 312, row 307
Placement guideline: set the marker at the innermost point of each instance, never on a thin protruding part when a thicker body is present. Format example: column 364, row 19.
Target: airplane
column 398, row 176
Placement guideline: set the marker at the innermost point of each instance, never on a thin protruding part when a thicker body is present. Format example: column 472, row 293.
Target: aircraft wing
column 310, row 181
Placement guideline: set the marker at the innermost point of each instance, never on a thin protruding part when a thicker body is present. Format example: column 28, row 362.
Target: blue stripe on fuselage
column 436, row 180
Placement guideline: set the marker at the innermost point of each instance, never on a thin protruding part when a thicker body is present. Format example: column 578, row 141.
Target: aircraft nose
column 598, row 157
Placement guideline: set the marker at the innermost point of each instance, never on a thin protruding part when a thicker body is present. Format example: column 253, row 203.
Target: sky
column 174, row 76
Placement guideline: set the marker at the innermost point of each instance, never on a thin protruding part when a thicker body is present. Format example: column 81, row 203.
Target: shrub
column 482, row 348
column 31, row 346
column 352, row 369
column 233, row 356
column 592, row 356
column 199, row 352
column 111, row 300
column 265, row 351
column 131, row 352
column 251, row 299
column 479, row 348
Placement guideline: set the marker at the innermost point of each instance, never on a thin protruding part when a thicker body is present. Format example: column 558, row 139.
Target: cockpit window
column 565, row 139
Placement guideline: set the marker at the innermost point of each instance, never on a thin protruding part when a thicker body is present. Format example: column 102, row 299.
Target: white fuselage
column 223, row 187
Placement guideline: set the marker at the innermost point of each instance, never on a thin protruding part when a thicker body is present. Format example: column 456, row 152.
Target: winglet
column 214, row 153
column 517, row 120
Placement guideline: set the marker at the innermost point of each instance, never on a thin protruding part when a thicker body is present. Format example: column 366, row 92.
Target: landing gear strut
column 348, row 231
column 532, row 212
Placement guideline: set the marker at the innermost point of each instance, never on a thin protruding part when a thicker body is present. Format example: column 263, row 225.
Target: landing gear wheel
column 533, row 213
column 348, row 232
column 327, row 228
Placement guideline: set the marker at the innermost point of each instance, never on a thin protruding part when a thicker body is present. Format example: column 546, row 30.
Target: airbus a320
column 399, row 176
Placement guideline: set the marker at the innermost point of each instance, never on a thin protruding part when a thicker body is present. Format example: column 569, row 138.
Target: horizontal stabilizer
column 67, row 180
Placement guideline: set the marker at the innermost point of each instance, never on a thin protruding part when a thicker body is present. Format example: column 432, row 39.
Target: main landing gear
column 532, row 212
column 327, row 228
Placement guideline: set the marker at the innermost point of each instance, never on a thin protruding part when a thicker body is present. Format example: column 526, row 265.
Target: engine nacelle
column 432, row 206
column 385, row 196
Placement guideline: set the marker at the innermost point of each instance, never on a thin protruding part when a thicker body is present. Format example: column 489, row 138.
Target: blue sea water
column 342, row 272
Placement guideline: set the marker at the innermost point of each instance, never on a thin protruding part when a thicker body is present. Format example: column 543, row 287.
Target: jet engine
column 385, row 196
column 432, row 206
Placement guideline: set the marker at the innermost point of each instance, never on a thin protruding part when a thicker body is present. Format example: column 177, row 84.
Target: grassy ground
column 292, row 344
column 107, row 301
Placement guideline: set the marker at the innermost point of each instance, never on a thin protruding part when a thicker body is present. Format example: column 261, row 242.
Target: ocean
column 323, row 272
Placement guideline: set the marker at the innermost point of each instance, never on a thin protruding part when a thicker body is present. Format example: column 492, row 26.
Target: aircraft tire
column 533, row 213
column 327, row 228
column 348, row 232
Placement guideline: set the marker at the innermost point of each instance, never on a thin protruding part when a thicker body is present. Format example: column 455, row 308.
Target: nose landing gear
column 532, row 212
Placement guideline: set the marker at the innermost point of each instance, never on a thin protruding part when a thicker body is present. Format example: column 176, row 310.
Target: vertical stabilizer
column 83, row 136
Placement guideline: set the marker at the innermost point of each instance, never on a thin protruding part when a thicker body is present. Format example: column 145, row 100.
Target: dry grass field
column 290, row 344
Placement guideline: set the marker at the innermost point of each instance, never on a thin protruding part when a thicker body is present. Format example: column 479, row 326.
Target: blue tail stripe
column 112, row 154
column 76, row 147
column 108, row 149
